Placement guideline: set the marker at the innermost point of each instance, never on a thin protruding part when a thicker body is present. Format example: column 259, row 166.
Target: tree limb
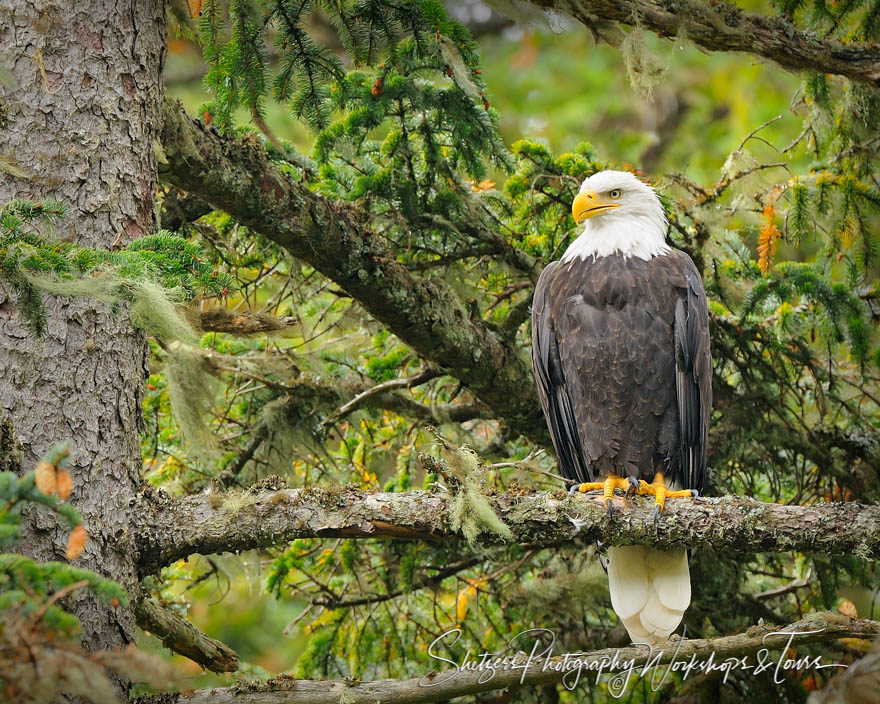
column 445, row 685
column 720, row 26
column 238, row 322
column 171, row 529
column 179, row 209
column 182, row 637
column 336, row 238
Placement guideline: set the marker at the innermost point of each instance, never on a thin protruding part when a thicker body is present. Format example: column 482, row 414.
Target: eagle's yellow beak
column 586, row 204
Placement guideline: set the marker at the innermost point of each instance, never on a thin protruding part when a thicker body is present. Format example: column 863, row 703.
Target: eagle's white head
column 621, row 215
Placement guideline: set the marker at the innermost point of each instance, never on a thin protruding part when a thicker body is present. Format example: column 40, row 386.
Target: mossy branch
column 171, row 529
column 720, row 26
column 182, row 637
column 446, row 685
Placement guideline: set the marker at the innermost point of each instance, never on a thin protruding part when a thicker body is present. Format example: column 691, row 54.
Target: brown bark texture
column 79, row 110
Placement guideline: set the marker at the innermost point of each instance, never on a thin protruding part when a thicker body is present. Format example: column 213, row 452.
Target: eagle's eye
column 615, row 194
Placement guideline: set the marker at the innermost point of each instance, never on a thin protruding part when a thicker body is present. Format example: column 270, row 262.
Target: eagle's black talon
column 656, row 514
column 573, row 489
column 633, row 487
column 694, row 493
column 610, row 510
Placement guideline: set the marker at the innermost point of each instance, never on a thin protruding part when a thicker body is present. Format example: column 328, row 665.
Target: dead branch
column 239, row 322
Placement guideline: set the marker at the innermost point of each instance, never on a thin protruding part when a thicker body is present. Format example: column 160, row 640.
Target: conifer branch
column 336, row 238
column 720, row 26
column 334, row 399
column 182, row 637
column 448, row 684
column 205, row 524
column 239, row 322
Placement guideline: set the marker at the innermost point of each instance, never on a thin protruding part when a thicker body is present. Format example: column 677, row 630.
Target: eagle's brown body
column 621, row 355
column 620, row 348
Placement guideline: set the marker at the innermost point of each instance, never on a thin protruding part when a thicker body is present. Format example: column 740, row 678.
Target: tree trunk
column 80, row 93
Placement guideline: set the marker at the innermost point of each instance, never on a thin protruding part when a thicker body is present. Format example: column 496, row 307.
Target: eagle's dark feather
column 620, row 349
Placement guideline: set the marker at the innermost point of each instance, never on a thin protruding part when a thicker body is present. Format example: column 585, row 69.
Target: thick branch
column 449, row 684
column 182, row 637
column 720, row 26
column 173, row 529
column 336, row 238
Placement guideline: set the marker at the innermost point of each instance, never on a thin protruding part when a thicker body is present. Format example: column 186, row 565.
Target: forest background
column 461, row 158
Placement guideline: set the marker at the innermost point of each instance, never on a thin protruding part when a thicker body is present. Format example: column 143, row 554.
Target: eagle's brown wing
column 552, row 390
column 693, row 375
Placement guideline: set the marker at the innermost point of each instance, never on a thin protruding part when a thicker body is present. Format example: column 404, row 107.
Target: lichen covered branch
column 337, row 239
column 171, row 529
column 182, row 637
column 721, row 26
column 448, row 684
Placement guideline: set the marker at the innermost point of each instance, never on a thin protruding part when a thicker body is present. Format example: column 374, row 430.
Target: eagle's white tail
column 650, row 590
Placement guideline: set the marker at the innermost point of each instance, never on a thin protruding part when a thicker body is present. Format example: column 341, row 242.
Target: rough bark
column 446, row 685
column 80, row 116
column 336, row 238
column 182, row 637
column 720, row 26
column 171, row 529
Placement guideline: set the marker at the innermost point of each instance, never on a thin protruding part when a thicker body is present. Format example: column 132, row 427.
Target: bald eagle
column 620, row 349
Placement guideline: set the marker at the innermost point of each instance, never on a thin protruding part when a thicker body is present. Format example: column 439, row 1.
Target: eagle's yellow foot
column 660, row 492
column 612, row 482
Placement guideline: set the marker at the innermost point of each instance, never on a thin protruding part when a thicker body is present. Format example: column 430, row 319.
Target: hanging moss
column 644, row 68
column 286, row 435
column 191, row 390
column 470, row 511
column 155, row 274
column 153, row 308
